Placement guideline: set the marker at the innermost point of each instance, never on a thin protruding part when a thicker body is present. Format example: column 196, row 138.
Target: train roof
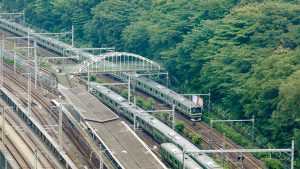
column 163, row 89
column 178, row 154
column 166, row 130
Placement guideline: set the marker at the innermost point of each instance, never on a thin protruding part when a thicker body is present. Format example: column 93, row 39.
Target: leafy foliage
column 179, row 126
column 245, row 51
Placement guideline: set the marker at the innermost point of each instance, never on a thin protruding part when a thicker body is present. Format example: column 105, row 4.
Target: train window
column 196, row 110
column 162, row 95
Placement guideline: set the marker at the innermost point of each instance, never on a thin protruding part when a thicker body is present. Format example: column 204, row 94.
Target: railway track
column 28, row 142
column 214, row 140
column 204, row 130
column 16, row 153
column 85, row 150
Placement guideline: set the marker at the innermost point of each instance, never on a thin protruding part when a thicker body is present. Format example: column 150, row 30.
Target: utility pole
column 129, row 88
column 209, row 111
column 35, row 65
column 292, row 154
column 1, row 60
column 35, row 158
column 28, row 50
column 173, row 116
column 3, row 125
column 60, row 127
column 210, row 134
column 223, row 147
column 134, row 118
column 29, row 94
column 183, row 159
column 72, row 35
column 100, row 160
column 252, row 132
column 88, row 85
column 15, row 58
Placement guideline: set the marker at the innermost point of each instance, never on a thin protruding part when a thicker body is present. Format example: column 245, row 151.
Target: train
column 55, row 103
column 48, row 42
column 160, row 131
column 186, row 106
column 182, row 104
column 175, row 157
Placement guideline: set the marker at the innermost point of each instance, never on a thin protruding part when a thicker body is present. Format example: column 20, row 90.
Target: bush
column 272, row 163
column 165, row 117
column 124, row 93
column 186, row 132
column 197, row 139
column 140, row 102
column 179, row 126
column 191, row 135
column 93, row 78
column 98, row 80
column 149, row 104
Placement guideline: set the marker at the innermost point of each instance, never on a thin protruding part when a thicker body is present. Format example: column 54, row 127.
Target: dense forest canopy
column 247, row 52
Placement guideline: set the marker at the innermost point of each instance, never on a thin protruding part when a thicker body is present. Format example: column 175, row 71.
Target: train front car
column 182, row 104
column 196, row 113
column 191, row 109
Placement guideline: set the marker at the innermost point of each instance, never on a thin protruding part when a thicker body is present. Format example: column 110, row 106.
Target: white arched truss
column 117, row 62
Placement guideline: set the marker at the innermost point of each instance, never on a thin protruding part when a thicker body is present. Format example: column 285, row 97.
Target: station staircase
column 62, row 78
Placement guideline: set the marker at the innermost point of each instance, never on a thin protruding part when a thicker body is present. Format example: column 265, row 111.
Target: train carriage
column 184, row 105
column 177, row 158
column 161, row 132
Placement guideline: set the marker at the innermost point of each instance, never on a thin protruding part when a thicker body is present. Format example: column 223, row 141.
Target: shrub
column 93, row 78
column 272, row 163
column 197, row 139
column 140, row 102
column 149, row 104
column 179, row 126
column 186, row 132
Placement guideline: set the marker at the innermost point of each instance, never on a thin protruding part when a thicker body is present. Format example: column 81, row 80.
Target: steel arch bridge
column 116, row 62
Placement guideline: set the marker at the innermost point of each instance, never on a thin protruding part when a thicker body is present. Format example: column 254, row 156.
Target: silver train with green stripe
column 160, row 131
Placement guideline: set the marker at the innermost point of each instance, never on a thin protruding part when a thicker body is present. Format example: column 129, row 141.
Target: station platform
column 91, row 108
column 123, row 144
